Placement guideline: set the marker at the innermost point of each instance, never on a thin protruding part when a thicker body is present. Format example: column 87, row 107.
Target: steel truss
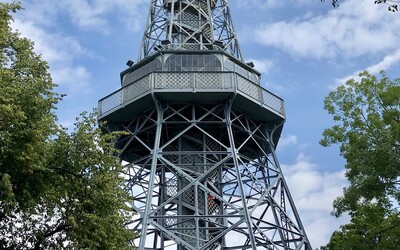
column 206, row 177
column 189, row 25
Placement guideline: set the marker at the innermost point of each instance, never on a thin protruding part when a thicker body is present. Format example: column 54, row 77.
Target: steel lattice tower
column 200, row 137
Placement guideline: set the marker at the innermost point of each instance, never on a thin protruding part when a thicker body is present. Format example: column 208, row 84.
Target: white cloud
column 94, row 15
column 75, row 78
column 68, row 124
column 87, row 14
column 43, row 13
column 260, row 3
column 386, row 63
column 132, row 14
column 54, row 47
column 319, row 228
column 313, row 192
column 61, row 52
column 287, row 140
column 262, row 65
column 39, row 23
column 269, row 4
column 354, row 29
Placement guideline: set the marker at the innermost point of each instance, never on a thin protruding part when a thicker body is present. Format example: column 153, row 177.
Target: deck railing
column 190, row 82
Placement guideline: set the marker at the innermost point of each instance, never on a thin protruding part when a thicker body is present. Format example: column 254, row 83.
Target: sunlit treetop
column 391, row 4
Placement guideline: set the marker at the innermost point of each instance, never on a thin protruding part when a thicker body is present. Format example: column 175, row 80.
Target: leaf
column 366, row 114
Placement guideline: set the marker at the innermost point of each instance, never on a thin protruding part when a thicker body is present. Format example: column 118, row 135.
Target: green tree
column 58, row 189
column 367, row 117
column 391, row 4
column 26, row 118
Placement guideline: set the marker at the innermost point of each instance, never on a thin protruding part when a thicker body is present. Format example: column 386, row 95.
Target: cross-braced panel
column 138, row 88
column 111, row 102
column 207, row 177
column 189, row 25
column 209, row 81
column 174, row 80
column 249, row 88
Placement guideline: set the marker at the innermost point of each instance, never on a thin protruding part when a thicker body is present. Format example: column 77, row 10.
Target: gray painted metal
column 189, row 25
column 200, row 138
column 202, row 76
column 206, row 82
column 211, row 180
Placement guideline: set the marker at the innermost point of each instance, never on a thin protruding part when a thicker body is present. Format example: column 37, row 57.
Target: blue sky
column 303, row 50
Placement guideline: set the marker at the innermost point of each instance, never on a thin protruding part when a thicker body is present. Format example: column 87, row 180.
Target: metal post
column 238, row 173
column 149, row 199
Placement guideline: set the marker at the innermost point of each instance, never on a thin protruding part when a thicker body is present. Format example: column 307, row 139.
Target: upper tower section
column 194, row 25
column 190, row 55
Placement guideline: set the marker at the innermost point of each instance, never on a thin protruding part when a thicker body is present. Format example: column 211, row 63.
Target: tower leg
column 235, row 156
column 153, row 168
column 207, row 177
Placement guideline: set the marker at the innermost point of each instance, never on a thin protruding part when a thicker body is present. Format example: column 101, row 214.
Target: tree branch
column 67, row 172
column 42, row 238
column 386, row 229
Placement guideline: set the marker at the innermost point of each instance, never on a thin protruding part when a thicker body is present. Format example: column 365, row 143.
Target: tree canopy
column 26, row 103
column 58, row 189
column 392, row 5
column 367, row 116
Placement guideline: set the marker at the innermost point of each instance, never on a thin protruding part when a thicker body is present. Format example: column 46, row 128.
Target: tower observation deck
column 200, row 138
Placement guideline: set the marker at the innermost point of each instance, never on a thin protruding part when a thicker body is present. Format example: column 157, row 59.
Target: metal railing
column 190, row 82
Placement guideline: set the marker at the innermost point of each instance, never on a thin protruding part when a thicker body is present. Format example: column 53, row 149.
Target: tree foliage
column 83, row 206
column 26, row 120
column 371, row 227
column 367, row 116
column 58, row 189
column 392, row 5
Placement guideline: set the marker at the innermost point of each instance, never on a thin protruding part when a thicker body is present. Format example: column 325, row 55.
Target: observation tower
column 200, row 137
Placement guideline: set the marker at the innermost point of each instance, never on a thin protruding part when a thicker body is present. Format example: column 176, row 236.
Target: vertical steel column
column 203, row 172
column 234, row 152
column 149, row 199
column 286, row 188
column 167, row 29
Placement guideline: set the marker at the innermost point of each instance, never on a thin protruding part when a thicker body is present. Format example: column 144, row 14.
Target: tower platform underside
column 205, row 176
column 199, row 154
column 196, row 78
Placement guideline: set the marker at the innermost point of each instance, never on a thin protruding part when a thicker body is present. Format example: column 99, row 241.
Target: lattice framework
column 189, row 25
column 203, row 176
